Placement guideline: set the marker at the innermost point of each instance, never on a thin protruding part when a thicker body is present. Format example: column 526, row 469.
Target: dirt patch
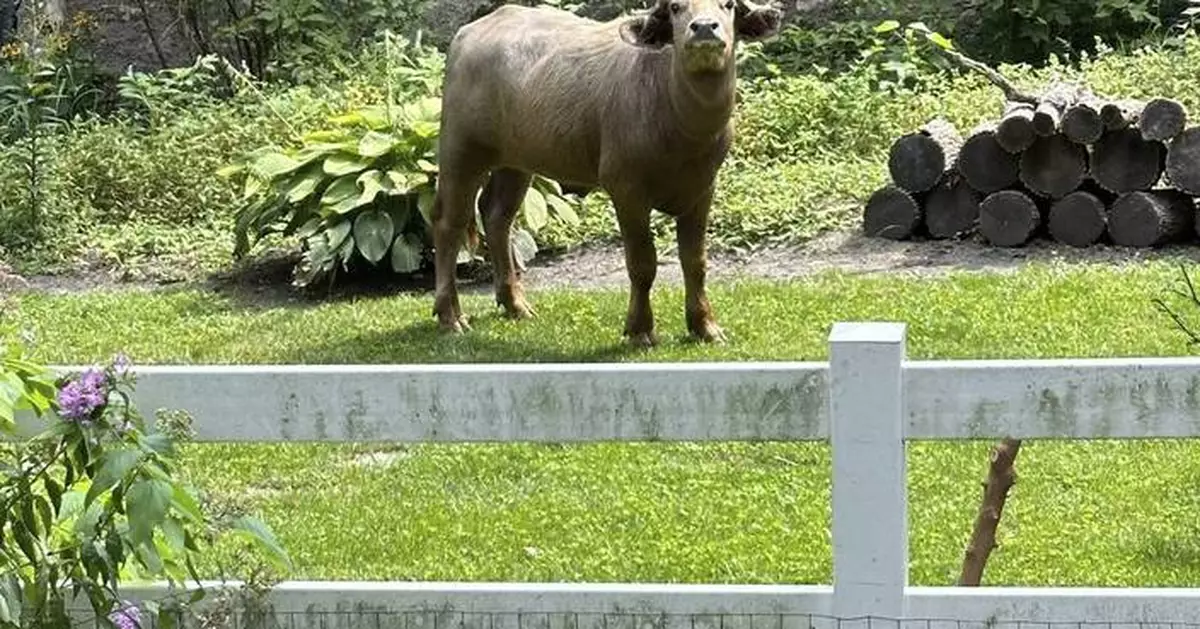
column 266, row 282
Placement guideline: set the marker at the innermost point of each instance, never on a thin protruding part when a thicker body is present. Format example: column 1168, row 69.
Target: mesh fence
column 385, row 619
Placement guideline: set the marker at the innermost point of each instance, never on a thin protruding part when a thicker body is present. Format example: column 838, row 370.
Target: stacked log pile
column 1065, row 165
column 1070, row 167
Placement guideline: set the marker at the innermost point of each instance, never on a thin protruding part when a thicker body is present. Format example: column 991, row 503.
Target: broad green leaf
column 524, row 247
column 941, row 40
column 372, row 182
column 406, row 253
column 305, row 183
column 563, row 209
column 270, row 165
column 340, row 163
column 535, row 209
column 256, row 531
column 227, row 171
column 404, row 182
column 115, row 464
column 185, row 503
column 157, row 442
column 427, row 166
column 374, row 144
column 337, row 233
column 373, row 231
column 147, row 503
column 344, row 187
column 887, row 26
column 425, row 129
column 331, row 136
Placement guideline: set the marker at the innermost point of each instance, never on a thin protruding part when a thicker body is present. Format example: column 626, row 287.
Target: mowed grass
column 1097, row 513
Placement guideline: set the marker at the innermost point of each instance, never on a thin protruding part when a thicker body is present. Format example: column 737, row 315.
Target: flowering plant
column 95, row 499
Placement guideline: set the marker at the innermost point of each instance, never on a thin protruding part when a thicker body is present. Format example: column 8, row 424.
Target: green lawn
column 1099, row 513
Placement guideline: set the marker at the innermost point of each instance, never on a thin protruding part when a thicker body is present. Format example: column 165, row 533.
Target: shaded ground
column 267, row 278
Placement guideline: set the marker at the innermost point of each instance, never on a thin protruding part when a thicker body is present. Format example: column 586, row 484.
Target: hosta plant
column 96, row 499
column 363, row 190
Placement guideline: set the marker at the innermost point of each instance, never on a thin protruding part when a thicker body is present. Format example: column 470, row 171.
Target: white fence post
column 870, row 503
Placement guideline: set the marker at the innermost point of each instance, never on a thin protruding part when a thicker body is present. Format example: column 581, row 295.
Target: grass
column 1095, row 513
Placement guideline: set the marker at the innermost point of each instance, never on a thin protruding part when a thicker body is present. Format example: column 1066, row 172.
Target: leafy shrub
column 364, row 191
column 96, row 499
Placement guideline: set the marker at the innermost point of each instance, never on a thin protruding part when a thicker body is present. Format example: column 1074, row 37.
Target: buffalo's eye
column 676, row 7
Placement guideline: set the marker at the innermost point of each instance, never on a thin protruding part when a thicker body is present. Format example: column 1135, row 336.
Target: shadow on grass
column 422, row 342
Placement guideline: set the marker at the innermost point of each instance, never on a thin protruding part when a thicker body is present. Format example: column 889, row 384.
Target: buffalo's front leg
column 690, row 231
column 452, row 209
column 641, row 262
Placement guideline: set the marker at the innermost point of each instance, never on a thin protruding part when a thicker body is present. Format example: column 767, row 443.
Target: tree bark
column 892, row 213
column 1078, row 219
column 1009, row 218
column 1122, row 161
column 1183, row 161
column 1015, row 131
column 1054, row 166
column 918, row 160
column 985, row 164
column 952, row 208
column 1047, row 116
column 1162, row 119
column 1149, row 218
column 1001, row 477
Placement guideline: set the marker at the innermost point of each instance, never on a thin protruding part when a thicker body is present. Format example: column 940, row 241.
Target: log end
column 891, row 213
column 1008, row 218
column 1078, row 219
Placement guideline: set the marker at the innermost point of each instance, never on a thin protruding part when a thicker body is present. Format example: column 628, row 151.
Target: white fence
column 867, row 400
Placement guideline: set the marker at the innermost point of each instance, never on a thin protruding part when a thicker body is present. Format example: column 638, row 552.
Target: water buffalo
column 639, row 106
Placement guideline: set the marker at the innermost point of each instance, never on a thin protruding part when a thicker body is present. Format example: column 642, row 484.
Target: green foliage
column 97, row 498
column 1031, row 31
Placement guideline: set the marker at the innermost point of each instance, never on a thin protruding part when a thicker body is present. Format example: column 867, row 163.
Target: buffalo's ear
column 756, row 22
column 652, row 29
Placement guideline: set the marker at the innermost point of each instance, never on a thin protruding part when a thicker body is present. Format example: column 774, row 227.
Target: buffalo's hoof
column 520, row 310
column 642, row 340
column 456, row 326
column 710, row 332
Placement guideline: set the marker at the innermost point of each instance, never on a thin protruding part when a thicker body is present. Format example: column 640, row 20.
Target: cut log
column 1015, row 131
column 952, row 208
column 918, row 160
column 891, row 213
column 1121, row 114
column 1078, row 219
column 1081, row 123
column 1162, row 119
column 1122, row 161
column 1149, row 218
column 1183, row 161
column 985, row 164
column 1047, row 116
column 1001, row 477
column 1008, row 218
column 1054, row 166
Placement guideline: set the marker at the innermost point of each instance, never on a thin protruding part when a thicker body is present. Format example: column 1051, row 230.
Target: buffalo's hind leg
column 499, row 203
column 453, row 209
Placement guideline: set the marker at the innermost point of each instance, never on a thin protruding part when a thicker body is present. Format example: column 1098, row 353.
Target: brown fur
column 626, row 105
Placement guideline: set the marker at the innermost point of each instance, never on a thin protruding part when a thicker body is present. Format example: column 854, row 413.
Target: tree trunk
column 1001, row 477
column 952, row 208
column 1015, row 131
column 985, row 164
column 1123, row 161
column 892, row 213
column 8, row 21
column 1162, row 119
column 1183, row 161
column 1009, row 218
column 1151, row 218
column 1054, row 166
column 918, row 160
column 1047, row 116
column 1078, row 219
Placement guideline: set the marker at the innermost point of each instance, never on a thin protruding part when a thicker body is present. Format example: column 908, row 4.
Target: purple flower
column 127, row 617
column 79, row 398
column 121, row 364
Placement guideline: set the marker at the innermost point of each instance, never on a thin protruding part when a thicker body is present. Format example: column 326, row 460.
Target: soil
column 267, row 280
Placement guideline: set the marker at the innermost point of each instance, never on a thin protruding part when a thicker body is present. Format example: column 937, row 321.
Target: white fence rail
column 867, row 400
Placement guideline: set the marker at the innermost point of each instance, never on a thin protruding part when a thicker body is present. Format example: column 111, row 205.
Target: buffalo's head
column 703, row 32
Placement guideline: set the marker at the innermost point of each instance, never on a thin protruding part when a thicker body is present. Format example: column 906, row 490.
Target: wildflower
column 10, row 51
column 127, row 617
column 121, row 364
column 79, row 398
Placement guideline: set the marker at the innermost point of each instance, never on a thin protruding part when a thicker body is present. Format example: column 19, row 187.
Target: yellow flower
column 11, row 50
